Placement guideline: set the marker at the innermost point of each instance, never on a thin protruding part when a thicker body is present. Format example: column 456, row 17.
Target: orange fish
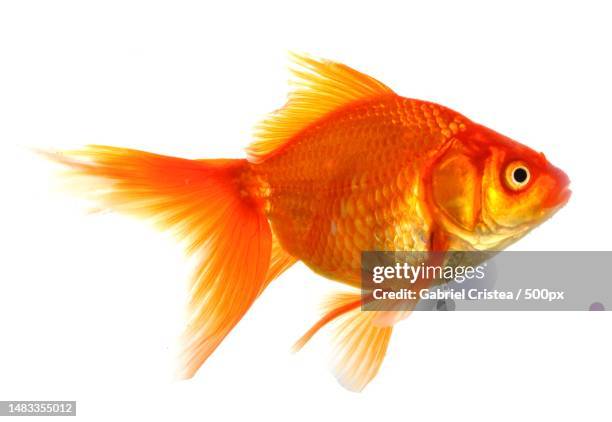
column 346, row 166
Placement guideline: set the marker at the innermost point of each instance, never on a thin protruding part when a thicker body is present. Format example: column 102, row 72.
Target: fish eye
column 517, row 175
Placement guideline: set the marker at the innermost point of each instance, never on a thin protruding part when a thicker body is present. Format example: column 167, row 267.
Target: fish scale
column 357, row 170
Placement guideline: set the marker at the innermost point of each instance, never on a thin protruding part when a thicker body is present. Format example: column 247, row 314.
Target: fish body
column 346, row 166
column 351, row 183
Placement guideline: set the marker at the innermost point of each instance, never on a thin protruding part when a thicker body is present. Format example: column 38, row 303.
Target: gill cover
column 456, row 186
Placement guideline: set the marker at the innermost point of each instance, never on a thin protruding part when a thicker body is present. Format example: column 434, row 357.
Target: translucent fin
column 360, row 347
column 337, row 305
column 201, row 202
column 319, row 87
column 359, row 344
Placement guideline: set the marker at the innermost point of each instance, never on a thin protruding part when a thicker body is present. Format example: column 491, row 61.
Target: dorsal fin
column 319, row 87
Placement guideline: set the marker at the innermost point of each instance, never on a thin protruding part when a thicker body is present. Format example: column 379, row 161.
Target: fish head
column 488, row 191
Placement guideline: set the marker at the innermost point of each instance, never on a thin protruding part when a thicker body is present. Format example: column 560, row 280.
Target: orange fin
column 337, row 305
column 201, row 202
column 280, row 261
column 360, row 344
column 319, row 87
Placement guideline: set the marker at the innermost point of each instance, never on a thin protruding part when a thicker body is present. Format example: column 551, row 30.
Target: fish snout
column 560, row 194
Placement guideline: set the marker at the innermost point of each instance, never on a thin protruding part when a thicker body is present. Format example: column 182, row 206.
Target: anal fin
column 360, row 344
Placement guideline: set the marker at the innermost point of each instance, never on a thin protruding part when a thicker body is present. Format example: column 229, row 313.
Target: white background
column 90, row 305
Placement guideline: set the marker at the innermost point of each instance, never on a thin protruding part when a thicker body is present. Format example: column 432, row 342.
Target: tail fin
column 203, row 203
column 360, row 343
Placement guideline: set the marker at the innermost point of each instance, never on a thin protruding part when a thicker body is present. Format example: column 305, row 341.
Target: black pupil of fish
column 520, row 175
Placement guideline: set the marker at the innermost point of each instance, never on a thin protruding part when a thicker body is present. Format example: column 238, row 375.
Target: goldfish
column 345, row 166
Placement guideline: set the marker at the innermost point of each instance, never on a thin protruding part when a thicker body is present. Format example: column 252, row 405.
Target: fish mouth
column 564, row 192
column 558, row 200
column 564, row 196
column 560, row 193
